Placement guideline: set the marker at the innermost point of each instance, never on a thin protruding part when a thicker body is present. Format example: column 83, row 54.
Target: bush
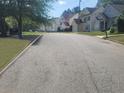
column 112, row 30
column 121, row 24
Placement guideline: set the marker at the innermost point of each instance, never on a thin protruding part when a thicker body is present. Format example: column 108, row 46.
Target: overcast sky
column 61, row 5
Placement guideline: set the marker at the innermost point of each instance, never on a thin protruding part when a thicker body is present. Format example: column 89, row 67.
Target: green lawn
column 119, row 38
column 94, row 33
column 32, row 33
column 9, row 48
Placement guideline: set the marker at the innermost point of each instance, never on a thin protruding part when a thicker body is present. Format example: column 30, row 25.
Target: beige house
column 64, row 25
column 94, row 19
column 112, row 11
column 53, row 25
column 87, row 18
column 75, row 23
column 100, row 18
column 64, row 22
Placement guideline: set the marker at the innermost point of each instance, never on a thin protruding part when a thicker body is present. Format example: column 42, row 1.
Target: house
column 72, row 22
column 86, row 17
column 92, row 19
column 76, row 23
column 53, row 25
column 101, row 18
column 64, row 26
column 112, row 11
column 64, row 22
column 98, row 20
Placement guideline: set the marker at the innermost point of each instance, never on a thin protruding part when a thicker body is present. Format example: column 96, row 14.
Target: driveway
column 67, row 63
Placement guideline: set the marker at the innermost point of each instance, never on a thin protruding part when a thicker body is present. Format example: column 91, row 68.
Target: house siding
column 111, row 12
column 99, row 19
column 87, row 23
column 74, row 27
column 95, row 23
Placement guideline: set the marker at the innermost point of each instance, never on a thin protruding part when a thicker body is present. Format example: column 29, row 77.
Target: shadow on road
column 37, row 41
column 30, row 37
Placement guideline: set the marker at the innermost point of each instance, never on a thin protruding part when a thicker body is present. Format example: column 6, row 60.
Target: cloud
column 61, row 2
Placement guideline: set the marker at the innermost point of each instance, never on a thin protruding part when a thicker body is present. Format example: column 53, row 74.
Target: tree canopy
column 69, row 12
column 35, row 10
column 104, row 2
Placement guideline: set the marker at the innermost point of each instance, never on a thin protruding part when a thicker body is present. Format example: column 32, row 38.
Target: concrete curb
column 19, row 55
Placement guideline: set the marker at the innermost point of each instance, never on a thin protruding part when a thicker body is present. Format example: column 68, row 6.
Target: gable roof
column 75, row 16
column 78, row 21
column 120, row 8
column 87, row 11
column 91, row 10
column 101, row 16
column 66, row 24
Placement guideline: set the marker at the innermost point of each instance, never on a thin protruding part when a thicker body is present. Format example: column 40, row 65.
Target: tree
column 76, row 10
column 12, row 22
column 120, row 23
column 67, row 13
column 117, row 1
column 104, row 2
column 29, row 24
column 35, row 10
column 3, row 14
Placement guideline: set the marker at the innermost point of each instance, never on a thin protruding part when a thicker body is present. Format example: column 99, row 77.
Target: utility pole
column 79, row 5
column 79, row 15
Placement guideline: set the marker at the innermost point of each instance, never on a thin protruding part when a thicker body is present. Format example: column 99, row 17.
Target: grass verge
column 118, row 39
column 33, row 33
column 94, row 33
column 9, row 48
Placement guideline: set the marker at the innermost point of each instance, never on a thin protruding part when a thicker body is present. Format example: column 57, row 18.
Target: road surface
column 67, row 63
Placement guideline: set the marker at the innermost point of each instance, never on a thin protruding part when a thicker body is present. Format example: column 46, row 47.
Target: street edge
column 117, row 42
column 19, row 55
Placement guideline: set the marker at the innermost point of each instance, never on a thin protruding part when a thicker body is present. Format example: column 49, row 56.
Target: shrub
column 121, row 24
column 112, row 30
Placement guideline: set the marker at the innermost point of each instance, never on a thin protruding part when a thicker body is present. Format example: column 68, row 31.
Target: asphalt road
column 67, row 63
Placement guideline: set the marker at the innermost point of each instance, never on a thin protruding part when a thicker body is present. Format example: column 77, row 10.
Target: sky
column 61, row 5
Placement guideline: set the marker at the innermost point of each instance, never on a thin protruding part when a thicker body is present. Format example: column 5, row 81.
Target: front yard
column 33, row 33
column 118, row 39
column 11, row 47
column 94, row 33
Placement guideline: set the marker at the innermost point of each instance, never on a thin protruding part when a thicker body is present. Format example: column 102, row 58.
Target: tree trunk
column 20, row 27
column 20, row 4
column 3, row 28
